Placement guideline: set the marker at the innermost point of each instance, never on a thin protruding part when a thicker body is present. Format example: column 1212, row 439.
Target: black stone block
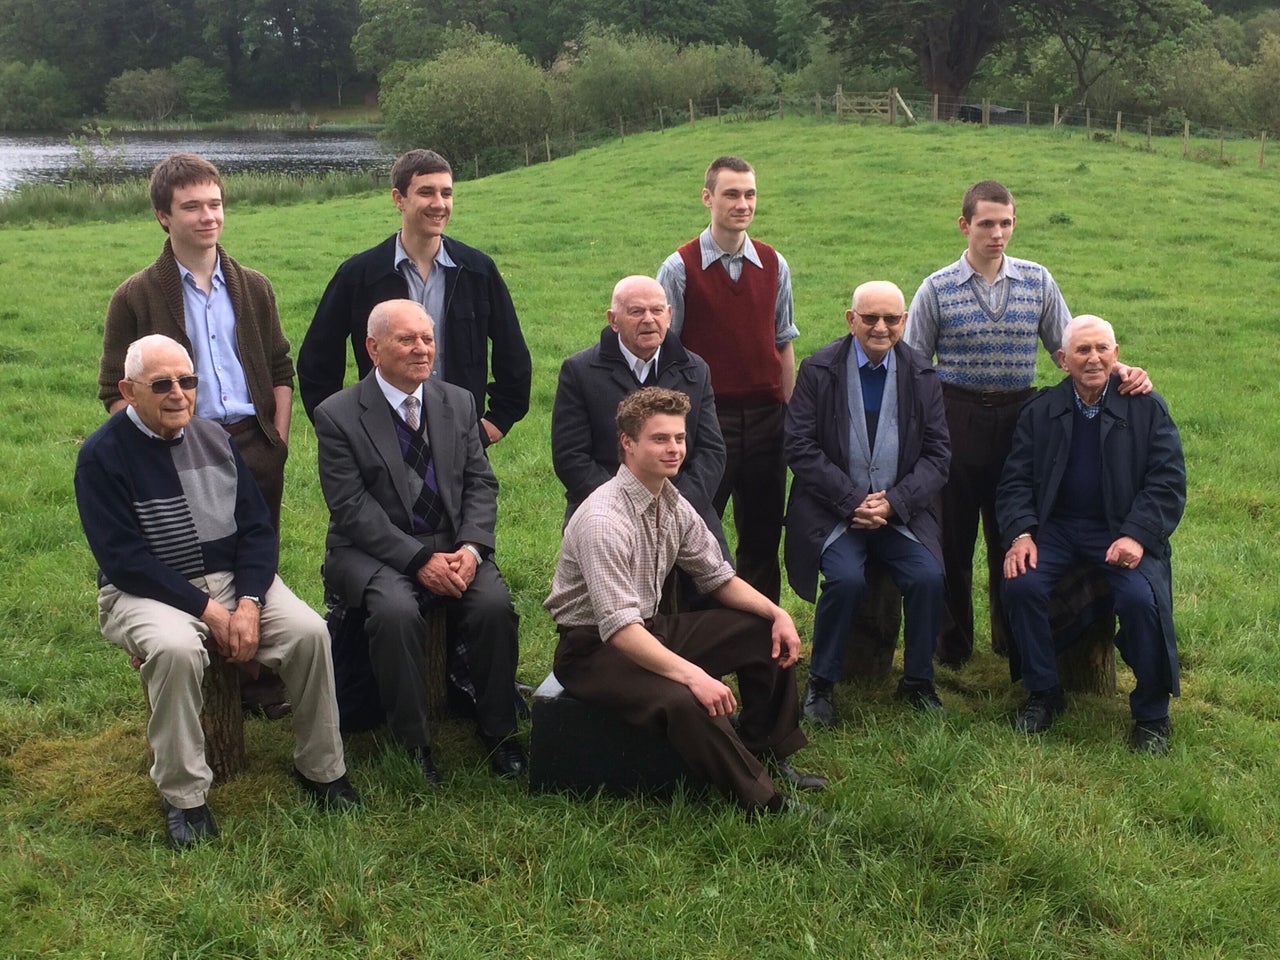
column 584, row 749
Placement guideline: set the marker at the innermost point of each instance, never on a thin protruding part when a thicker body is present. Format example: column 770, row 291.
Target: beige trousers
column 293, row 641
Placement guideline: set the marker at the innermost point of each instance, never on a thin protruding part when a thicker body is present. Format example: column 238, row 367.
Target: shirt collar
column 442, row 255
column 185, row 274
column 1090, row 410
column 632, row 359
column 132, row 414
column 395, row 396
column 863, row 359
column 638, row 494
column 711, row 251
column 1008, row 269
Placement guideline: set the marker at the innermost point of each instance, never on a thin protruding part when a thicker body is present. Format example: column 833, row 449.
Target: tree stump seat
column 221, row 716
column 359, row 704
column 1080, row 613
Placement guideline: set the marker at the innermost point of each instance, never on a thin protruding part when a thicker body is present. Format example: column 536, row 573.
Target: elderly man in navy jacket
column 479, row 345
column 866, row 438
column 1095, row 477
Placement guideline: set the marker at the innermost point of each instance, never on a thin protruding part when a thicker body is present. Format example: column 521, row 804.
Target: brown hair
column 736, row 164
column 988, row 190
column 180, row 170
column 637, row 408
column 415, row 163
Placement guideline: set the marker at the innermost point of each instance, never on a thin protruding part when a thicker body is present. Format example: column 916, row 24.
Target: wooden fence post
column 547, row 138
column 1186, row 137
column 782, row 110
column 622, row 127
column 1026, row 112
column 476, row 158
column 526, row 153
column 717, row 108
column 839, row 102
column 1262, row 149
column 1117, row 128
column 893, row 106
column 1222, row 146
column 1148, row 133
column 573, row 141
column 1055, row 116
column 933, row 109
column 691, row 118
column 817, row 105
column 1088, row 122
column 660, row 124
column 986, row 113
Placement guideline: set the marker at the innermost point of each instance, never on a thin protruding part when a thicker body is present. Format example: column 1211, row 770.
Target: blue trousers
column 917, row 574
column 1062, row 544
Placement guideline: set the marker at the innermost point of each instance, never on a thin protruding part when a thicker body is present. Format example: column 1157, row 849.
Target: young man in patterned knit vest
column 980, row 317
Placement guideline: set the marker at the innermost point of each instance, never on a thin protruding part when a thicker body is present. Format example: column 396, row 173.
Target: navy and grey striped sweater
column 159, row 512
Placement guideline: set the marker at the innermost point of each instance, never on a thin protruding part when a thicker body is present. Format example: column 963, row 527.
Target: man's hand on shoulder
column 1133, row 380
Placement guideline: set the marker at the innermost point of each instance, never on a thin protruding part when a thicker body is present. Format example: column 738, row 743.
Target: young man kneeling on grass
column 661, row 672
column 1094, row 477
column 187, row 557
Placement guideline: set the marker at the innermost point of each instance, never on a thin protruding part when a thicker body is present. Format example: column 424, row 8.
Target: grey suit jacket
column 363, row 478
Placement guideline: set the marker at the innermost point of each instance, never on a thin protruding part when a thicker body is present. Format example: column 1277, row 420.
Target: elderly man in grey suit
column 866, row 437
column 635, row 350
column 413, row 503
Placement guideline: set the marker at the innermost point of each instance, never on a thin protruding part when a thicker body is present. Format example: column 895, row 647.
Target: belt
column 987, row 398
column 240, row 426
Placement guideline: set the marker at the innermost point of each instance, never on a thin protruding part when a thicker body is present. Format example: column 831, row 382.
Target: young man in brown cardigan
column 225, row 316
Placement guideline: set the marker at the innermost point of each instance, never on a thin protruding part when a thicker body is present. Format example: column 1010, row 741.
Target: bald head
column 877, row 318
column 401, row 343
column 640, row 315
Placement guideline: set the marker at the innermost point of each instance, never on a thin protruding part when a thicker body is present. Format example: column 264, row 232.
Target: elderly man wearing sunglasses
column 187, row 558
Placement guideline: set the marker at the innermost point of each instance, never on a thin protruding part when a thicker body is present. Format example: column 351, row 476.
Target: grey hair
column 379, row 324
column 134, row 359
column 1086, row 320
column 878, row 286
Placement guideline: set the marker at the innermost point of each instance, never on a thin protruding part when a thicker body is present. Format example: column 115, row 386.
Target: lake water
column 39, row 158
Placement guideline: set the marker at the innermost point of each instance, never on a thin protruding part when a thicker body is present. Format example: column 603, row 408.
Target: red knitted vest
column 731, row 326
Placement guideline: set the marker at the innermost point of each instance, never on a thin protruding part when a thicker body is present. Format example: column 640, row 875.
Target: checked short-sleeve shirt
column 619, row 547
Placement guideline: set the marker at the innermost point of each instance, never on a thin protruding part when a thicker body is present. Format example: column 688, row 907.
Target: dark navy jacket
column 478, row 312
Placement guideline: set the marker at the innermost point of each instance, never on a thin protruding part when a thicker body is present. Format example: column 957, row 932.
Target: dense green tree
column 203, row 93
column 91, row 41
column 474, row 96
column 143, row 95
column 34, row 96
column 950, row 38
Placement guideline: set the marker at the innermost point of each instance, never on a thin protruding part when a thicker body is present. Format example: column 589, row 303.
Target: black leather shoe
column 919, row 694
column 185, row 827
column 335, row 795
column 797, row 778
column 507, row 758
column 1036, row 715
column 422, row 757
column 818, row 707
column 1150, row 736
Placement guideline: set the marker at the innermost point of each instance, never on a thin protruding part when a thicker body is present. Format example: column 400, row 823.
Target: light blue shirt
column 211, row 326
column 428, row 292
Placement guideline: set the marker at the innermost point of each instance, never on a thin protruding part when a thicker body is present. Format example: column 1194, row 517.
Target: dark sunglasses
column 165, row 384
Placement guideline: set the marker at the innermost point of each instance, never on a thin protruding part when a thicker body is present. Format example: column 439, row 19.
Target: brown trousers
column 720, row 642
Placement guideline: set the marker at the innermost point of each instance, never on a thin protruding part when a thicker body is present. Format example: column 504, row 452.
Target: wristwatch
column 256, row 601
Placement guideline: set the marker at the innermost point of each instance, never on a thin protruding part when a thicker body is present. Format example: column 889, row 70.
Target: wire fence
column 884, row 107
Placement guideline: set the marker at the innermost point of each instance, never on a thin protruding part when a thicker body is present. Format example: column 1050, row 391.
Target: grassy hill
column 950, row 838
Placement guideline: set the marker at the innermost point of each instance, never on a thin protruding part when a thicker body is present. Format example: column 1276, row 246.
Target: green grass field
column 949, row 837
